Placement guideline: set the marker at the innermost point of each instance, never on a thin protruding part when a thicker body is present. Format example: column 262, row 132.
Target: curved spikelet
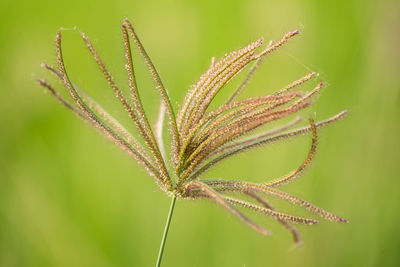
column 293, row 175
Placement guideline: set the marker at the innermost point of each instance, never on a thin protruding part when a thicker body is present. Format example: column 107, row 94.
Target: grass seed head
column 202, row 138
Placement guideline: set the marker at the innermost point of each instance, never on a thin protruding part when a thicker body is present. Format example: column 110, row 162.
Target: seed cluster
column 202, row 138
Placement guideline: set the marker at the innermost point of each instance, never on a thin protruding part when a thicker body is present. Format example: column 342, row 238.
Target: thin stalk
column 164, row 238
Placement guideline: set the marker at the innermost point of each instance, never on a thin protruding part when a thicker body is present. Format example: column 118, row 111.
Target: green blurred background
column 68, row 197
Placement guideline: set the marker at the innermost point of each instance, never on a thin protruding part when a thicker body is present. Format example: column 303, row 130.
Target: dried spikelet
column 201, row 138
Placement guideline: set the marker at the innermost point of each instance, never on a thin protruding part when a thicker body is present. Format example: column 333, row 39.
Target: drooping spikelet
column 203, row 138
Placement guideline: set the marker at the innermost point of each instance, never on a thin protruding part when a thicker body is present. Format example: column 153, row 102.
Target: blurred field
column 68, row 197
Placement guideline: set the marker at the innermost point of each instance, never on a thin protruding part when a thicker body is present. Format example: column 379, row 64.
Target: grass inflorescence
column 202, row 138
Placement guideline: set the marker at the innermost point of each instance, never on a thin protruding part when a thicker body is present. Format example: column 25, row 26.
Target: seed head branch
column 239, row 186
column 108, row 119
column 218, row 74
column 269, row 212
column 278, row 44
column 256, row 141
column 210, row 193
column 293, row 175
column 141, row 120
column 95, row 119
column 287, row 225
column 161, row 88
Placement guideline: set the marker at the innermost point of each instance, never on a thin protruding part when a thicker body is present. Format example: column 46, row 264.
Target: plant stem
column 164, row 238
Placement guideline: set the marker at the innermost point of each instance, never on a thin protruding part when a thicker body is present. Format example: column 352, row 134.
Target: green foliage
column 68, row 198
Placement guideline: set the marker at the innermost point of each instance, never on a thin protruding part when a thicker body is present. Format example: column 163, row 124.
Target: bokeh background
column 69, row 197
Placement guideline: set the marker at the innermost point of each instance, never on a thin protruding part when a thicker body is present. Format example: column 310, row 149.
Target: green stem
column 164, row 238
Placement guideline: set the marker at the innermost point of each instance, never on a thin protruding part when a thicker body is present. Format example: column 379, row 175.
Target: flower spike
column 202, row 138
